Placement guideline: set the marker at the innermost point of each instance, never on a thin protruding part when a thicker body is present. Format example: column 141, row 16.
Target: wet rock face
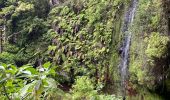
column 169, row 25
column 166, row 8
column 168, row 16
column 54, row 2
column 167, row 3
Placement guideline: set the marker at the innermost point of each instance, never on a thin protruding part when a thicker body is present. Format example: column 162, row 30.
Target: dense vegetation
column 71, row 49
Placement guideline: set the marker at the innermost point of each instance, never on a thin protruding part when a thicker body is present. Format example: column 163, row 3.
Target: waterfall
column 129, row 17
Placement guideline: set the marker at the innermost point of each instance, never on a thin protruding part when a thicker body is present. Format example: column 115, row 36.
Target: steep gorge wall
column 149, row 57
column 87, row 38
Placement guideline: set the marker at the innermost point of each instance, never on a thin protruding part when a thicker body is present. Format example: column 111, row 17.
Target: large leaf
column 23, row 70
column 25, row 67
column 14, row 68
column 32, row 70
column 26, row 72
column 25, row 89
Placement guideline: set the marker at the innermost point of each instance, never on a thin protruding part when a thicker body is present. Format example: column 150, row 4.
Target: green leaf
column 24, row 90
column 2, row 68
column 52, row 48
column 52, row 72
column 10, row 71
column 38, row 85
column 52, row 83
column 32, row 70
column 63, row 57
column 38, row 88
column 47, row 65
column 4, row 65
column 3, row 80
column 26, row 72
column 9, row 83
column 25, row 67
column 14, row 68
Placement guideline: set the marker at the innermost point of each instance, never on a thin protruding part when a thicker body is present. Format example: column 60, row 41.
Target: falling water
column 129, row 17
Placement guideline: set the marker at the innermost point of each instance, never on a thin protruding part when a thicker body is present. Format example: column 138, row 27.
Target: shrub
column 83, row 89
column 157, row 45
column 6, row 57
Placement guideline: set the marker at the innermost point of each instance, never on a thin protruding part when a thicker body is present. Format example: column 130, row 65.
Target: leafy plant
column 26, row 82
column 157, row 45
column 83, row 89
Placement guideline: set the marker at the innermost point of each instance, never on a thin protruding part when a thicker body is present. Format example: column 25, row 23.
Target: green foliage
column 24, row 30
column 137, row 73
column 81, row 33
column 157, row 45
column 11, row 48
column 83, row 36
column 149, row 16
column 149, row 47
column 144, row 52
column 41, row 8
column 7, row 10
column 24, row 7
column 2, row 3
column 28, row 83
column 6, row 57
column 108, row 97
column 83, row 89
